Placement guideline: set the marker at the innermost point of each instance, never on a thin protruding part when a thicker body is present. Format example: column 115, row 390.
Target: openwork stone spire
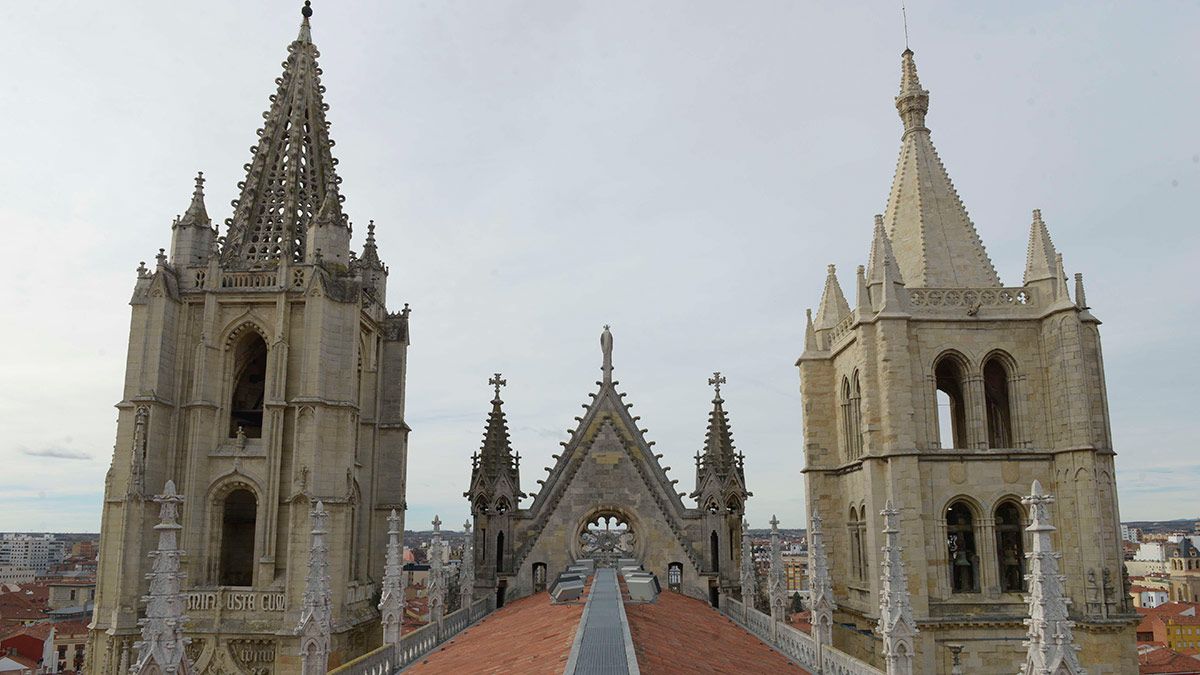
column 896, row 624
column 291, row 170
column 819, row 584
column 749, row 592
column 391, row 599
column 777, row 587
column 161, row 649
column 316, row 616
column 935, row 241
column 1051, row 646
column 466, row 570
column 436, row 592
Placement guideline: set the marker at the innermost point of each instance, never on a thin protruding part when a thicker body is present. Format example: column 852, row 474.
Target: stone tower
column 607, row 497
column 949, row 393
column 264, row 373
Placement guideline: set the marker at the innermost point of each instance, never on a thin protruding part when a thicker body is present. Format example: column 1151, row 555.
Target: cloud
column 56, row 453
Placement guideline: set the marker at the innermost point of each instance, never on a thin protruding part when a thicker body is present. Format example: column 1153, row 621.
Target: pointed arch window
column 1010, row 547
column 239, row 516
column 500, row 552
column 950, row 378
column 249, row 387
column 714, row 551
column 857, row 527
column 852, row 416
column 999, row 408
column 964, row 561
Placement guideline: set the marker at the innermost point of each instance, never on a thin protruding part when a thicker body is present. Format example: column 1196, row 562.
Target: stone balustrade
column 412, row 646
column 816, row 658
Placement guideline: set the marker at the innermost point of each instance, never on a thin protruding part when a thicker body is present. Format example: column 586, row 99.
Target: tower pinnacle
column 606, row 347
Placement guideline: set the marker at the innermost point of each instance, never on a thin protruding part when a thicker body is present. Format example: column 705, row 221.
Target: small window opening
column 246, row 407
column 952, row 409
column 238, row 520
column 999, row 412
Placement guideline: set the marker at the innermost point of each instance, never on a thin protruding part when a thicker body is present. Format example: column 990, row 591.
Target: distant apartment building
column 12, row 574
column 1131, row 534
column 795, row 566
column 1151, row 558
column 1147, row 597
column 33, row 551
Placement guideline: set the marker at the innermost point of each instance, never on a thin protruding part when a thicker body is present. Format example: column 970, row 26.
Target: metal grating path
column 601, row 650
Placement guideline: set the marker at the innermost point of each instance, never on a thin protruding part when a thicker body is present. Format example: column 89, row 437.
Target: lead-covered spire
column 934, row 239
column 291, row 169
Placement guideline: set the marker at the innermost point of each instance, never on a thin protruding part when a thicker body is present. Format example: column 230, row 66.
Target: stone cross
column 896, row 625
column 316, row 615
column 162, row 647
column 497, row 382
column 391, row 600
column 716, row 381
column 1050, row 647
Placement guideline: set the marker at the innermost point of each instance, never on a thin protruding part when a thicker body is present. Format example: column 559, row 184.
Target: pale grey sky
column 681, row 170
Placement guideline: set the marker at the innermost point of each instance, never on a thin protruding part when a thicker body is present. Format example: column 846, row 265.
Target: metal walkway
column 603, row 645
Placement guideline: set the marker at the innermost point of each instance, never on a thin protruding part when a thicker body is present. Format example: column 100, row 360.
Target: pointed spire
column 496, row 456
column 196, row 214
column 718, row 440
column 1040, row 255
column 1051, row 643
column 162, row 647
column 316, row 615
column 391, row 599
column 777, row 588
column 810, row 333
column 370, row 254
column 833, row 307
column 749, row 592
column 820, row 585
column 862, row 297
column 291, row 172
column 466, row 570
column 896, row 625
column 436, row 586
column 935, row 242
column 881, row 255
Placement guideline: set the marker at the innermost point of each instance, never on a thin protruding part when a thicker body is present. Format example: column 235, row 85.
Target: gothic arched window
column 502, row 506
column 1010, row 548
column 249, row 386
column 674, row 576
column 999, row 410
column 950, row 380
column 857, row 569
column 239, row 515
column 539, row 577
column 964, row 562
column 846, row 421
column 714, row 550
column 500, row 552
column 855, row 409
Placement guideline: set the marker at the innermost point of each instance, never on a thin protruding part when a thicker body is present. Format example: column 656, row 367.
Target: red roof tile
column 529, row 636
column 679, row 634
column 1165, row 661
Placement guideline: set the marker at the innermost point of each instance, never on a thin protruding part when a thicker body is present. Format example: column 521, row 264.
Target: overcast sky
column 681, row 170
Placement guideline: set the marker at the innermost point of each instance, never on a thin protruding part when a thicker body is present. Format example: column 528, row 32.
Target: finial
column 371, row 231
column 306, row 11
column 904, row 15
column 199, row 192
column 1037, row 215
column 606, row 347
column 497, row 382
column 437, row 524
column 774, row 523
column 715, row 382
column 467, row 527
column 161, row 257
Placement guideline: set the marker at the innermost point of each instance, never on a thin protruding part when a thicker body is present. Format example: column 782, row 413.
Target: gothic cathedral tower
column 264, row 373
column 949, row 394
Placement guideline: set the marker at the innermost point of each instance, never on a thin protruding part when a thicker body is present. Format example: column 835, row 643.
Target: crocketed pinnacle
column 370, row 253
column 496, row 457
column 882, row 256
column 291, row 170
column 833, row 307
column 1041, row 256
column 196, row 215
column 935, row 242
column 718, row 439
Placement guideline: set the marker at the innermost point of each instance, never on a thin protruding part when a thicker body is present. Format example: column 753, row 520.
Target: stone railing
column 972, row 298
column 241, row 280
column 389, row 659
column 799, row 646
column 841, row 329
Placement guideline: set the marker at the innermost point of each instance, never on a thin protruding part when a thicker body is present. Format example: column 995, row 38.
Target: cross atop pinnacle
column 437, row 524
column 774, row 523
column 497, row 382
column 715, row 382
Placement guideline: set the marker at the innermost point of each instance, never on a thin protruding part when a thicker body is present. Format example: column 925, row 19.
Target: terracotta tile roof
column 679, row 634
column 528, row 636
column 1166, row 661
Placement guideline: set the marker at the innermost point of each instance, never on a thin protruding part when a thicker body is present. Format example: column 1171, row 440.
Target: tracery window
column 951, row 403
column 674, row 576
column 964, row 562
column 858, row 559
column 607, row 537
column 852, row 416
column 1010, row 548
column 250, row 375
column 239, row 515
column 996, row 398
